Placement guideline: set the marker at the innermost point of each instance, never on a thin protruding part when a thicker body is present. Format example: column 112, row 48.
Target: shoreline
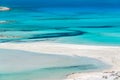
column 107, row 54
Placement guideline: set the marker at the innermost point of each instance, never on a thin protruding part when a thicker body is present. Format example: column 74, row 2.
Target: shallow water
column 95, row 22
column 65, row 25
column 22, row 65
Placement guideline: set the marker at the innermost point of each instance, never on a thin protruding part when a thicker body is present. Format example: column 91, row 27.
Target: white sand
column 111, row 75
column 2, row 8
column 107, row 54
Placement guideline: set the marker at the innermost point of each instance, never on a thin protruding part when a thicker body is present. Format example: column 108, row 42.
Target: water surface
column 22, row 65
column 61, row 24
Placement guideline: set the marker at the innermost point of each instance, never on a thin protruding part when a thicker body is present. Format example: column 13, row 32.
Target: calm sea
column 91, row 22
column 74, row 21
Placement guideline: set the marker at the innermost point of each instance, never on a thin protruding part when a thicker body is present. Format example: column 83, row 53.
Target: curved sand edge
column 107, row 54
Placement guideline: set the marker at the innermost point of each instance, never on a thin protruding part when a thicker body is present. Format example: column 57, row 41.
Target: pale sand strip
column 2, row 8
column 107, row 54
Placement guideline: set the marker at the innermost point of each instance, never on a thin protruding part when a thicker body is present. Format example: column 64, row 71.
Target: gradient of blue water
column 93, row 24
column 74, row 21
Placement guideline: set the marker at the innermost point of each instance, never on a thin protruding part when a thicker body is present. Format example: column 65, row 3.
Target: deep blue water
column 74, row 21
column 63, row 3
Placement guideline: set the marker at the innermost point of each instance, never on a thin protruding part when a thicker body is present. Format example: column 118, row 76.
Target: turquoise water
column 91, row 22
column 22, row 65
column 66, row 25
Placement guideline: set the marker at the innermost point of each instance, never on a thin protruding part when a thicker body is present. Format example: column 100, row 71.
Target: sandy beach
column 107, row 54
column 60, row 40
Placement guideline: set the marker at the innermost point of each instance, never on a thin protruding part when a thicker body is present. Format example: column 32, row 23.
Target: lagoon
column 23, row 65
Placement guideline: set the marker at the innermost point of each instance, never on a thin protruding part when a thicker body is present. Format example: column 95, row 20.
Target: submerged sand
column 107, row 54
column 3, row 22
